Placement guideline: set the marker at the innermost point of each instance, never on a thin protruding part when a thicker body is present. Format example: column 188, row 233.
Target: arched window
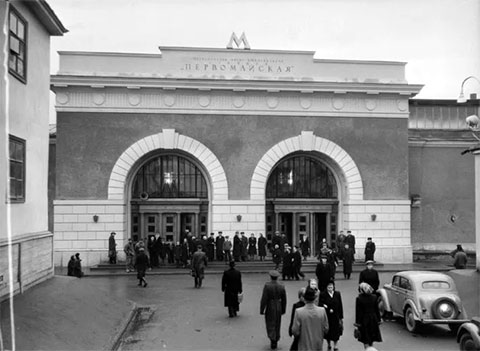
column 169, row 176
column 302, row 177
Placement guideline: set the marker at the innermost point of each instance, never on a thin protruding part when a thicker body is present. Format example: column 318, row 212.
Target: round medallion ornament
column 169, row 100
column 204, row 101
column 338, row 104
column 402, row 105
column 238, row 101
column 99, row 98
column 305, row 102
column 370, row 104
column 62, row 98
column 134, row 99
column 272, row 102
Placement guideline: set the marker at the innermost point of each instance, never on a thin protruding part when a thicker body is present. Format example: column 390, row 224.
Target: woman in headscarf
column 367, row 316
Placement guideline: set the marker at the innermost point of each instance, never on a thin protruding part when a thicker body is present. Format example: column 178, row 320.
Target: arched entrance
column 168, row 197
column 302, row 198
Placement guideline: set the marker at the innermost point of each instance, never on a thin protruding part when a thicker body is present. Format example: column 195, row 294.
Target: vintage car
column 422, row 297
column 469, row 335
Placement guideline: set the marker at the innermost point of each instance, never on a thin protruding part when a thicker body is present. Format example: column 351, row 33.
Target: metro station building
column 237, row 140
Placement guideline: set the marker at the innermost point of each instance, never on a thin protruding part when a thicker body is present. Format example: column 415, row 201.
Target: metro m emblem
column 238, row 41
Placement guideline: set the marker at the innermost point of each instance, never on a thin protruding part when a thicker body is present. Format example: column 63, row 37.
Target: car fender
column 473, row 330
column 383, row 293
column 411, row 303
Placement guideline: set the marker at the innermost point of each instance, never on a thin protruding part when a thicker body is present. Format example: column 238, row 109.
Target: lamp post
column 473, row 123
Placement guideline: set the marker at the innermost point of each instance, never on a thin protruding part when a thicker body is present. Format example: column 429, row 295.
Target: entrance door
column 285, row 225
column 151, row 225
column 170, row 230
column 187, row 222
column 319, row 230
column 302, row 227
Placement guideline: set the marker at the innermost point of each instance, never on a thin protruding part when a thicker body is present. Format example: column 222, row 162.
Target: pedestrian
column 341, row 244
column 232, row 287
column 370, row 276
column 185, row 253
column 348, row 260
column 142, row 263
column 298, row 304
column 77, row 266
column 324, row 273
column 273, row 305
column 112, row 249
column 129, row 255
column 204, row 243
column 262, row 247
column 199, row 262
column 152, row 252
column 237, row 247
column 71, row 266
column 277, row 256
column 252, row 247
column 369, row 250
column 305, row 247
column 350, row 240
column 313, row 283
column 244, row 247
column 211, row 247
column 297, row 264
column 227, row 249
column 276, row 240
column 367, row 316
column 460, row 258
column 310, row 324
column 178, row 254
column 331, row 300
column 287, row 267
column 219, row 241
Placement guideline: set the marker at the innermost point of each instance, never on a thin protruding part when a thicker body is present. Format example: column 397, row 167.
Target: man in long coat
column 232, row 286
column 199, row 262
column 244, row 247
column 211, row 247
column 324, row 273
column 219, row 246
column 273, row 304
column 142, row 263
column 262, row 247
column 237, row 247
column 370, row 276
column 112, row 249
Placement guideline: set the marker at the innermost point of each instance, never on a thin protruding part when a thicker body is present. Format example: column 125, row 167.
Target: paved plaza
column 89, row 314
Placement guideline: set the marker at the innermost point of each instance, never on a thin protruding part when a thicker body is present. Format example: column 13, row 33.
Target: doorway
column 285, row 225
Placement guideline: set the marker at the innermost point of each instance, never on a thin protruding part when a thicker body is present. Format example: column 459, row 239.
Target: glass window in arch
column 169, row 176
column 302, row 177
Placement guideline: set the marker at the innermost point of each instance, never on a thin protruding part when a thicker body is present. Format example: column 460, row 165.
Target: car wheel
column 410, row 323
column 467, row 343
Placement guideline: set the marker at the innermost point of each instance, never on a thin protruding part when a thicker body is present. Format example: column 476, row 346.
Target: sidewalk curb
column 116, row 341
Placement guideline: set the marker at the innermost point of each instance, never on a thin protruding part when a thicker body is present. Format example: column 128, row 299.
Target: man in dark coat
column 305, row 247
column 348, row 259
column 142, row 264
column 77, row 266
column 324, row 273
column 331, row 300
column 185, row 253
column 297, row 263
column 350, row 240
column 211, row 247
column 152, row 251
column 232, row 286
column 112, row 249
column 369, row 250
column 277, row 256
column 273, row 305
column 71, row 266
column 199, row 262
column 252, row 247
column 244, row 247
column 287, row 264
column 262, row 247
column 237, row 247
column 276, row 240
column 370, row 276
column 219, row 246
column 298, row 304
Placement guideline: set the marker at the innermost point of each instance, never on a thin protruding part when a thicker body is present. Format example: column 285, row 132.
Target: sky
column 439, row 39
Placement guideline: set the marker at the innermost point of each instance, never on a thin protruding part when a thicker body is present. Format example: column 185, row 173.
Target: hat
column 309, row 294
column 113, row 233
column 232, row 263
column 141, row 248
column 369, row 262
column 274, row 273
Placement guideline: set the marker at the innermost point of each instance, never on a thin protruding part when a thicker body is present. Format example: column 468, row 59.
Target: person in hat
column 219, row 241
column 298, row 304
column 142, row 263
column 199, row 262
column 232, row 287
column 348, row 260
column 77, row 266
column 112, row 249
column 324, row 273
column 277, row 256
column 369, row 250
column 310, row 323
column 367, row 316
column 370, row 276
column 273, row 305
column 262, row 247
column 332, row 301
column 460, row 258
column 227, row 249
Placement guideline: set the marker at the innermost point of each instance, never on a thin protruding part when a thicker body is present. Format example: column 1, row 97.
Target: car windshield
column 435, row 285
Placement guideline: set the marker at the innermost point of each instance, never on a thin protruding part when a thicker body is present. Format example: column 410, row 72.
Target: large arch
column 167, row 139
column 307, row 141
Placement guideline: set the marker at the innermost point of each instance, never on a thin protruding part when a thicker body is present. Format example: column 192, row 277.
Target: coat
column 334, row 308
column 296, row 305
column 367, row 318
column 219, row 244
column 460, row 260
column 262, row 246
column 310, row 324
column 370, row 277
column 252, row 246
column 112, row 245
column 142, row 263
column 244, row 246
column 324, row 273
column 348, row 259
column 369, row 250
column 237, row 246
column 199, row 261
column 273, row 304
column 232, row 286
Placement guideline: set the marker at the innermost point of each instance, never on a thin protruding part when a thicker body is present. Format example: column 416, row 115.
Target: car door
column 405, row 292
column 394, row 296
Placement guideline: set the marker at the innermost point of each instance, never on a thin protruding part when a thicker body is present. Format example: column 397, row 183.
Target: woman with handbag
column 331, row 300
column 367, row 317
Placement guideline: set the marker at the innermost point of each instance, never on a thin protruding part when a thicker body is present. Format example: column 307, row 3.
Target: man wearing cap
column 232, row 286
column 142, row 263
column 199, row 262
column 112, row 249
column 370, row 276
column 219, row 246
column 369, row 250
column 310, row 323
column 273, row 304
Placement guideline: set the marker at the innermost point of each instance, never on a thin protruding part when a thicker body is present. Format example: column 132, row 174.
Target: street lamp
column 473, row 123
